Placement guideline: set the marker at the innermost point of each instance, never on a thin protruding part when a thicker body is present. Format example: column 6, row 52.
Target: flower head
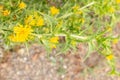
column 1, row 7
column 117, row 1
column 29, row 20
column 75, row 8
column 40, row 22
column 54, row 40
column 21, row 33
column 109, row 29
column 112, row 10
column 54, row 10
column 115, row 41
column 22, row 5
column 6, row 12
column 110, row 57
column 34, row 20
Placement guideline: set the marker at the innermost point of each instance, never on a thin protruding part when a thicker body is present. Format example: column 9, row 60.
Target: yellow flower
column 6, row 12
column 109, row 29
column 105, row 2
column 117, row 1
column 34, row 20
column 30, row 21
column 54, row 40
column 110, row 57
column 73, row 42
column 1, row 7
column 112, row 10
column 115, row 41
column 21, row 34
column 40, row 22
column 79, row 12
column 76, row 7
column 36, row 15
column 22, row 5
column 12, row 37
column 54, row 10
column 82, row 20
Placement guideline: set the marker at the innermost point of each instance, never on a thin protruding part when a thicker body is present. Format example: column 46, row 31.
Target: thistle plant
column 76, row 21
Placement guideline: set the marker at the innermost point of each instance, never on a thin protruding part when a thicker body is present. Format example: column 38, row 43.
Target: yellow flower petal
column 22, row 5
column 54, row 10
column 115, row 41
column 21, row 33
column 6, row 12
column 54, row 39
column 117, row 1
column 110, row 57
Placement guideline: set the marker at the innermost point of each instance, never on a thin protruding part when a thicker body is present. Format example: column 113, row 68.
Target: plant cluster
column 62, row 25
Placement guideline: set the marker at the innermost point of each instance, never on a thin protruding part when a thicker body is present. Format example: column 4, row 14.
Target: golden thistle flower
column 73, row 42
column 54, row 40
column 117, row 1
column 109, row 29
column 28, row 20
column 54, row 10
column 1, row 7
column 21, row 34
column 112, row 10
column 34, row 20
column 82, row 20
column 75, row 8
column 110, row 57
column 22, row 5
column 79, row 12
column 115, row 41
column 40, row 22
column 6, row 12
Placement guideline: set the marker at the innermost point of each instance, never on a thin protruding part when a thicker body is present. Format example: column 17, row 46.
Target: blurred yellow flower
column 54, row 40
column 21, row 33
column 36, row 15
column 79, row 12
column 22, row 5
column 73, row 42
column 34, row 20
column 76, row 7
column 82, row 20
column 6, row 12
column 112, row 10
column 54, row 10
column 40, row 22
column 117, row 1
column 110, row 57
column 109, row 29
column 115, row 41
column 1, row 7
column 28, row 20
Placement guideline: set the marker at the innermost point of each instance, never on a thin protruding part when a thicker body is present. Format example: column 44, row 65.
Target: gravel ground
column 37, row 66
